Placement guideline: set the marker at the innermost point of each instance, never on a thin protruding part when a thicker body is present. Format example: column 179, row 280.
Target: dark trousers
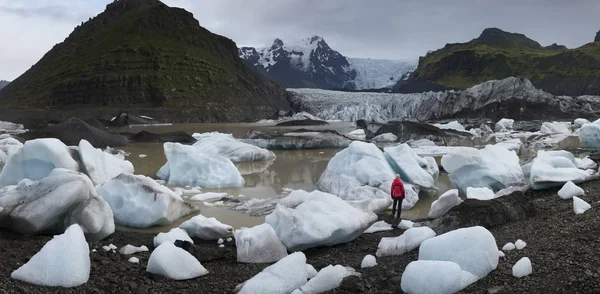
column 397, row 203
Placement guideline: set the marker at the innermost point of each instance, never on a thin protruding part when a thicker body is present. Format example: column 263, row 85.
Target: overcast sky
column 389, row 29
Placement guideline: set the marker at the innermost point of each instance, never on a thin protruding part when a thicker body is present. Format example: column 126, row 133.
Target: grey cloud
column 61, row 13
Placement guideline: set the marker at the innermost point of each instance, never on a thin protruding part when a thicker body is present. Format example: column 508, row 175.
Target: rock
column 488, row 213
column 139, row 201
column 145, row 136
column 361, row 175
column 187, row 165
column 259, row 244
column 73, row 130
column 231, row 148
column 206, row 228
column 302, row 122
column 285, row 276
column 187, row 246
column 36, row 160
column 408, row 241
column 174, row 263
column 101, row 166
column 304, row 220
column 352, row 284
column 50, row 205
column 55, row 266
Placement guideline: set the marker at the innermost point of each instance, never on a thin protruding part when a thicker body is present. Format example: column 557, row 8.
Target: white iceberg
column 174, row 263
column 556, row 128
column 421, row 143
column 285, row 276
column 8, row 147
column 328, row 278
column 385, row 138
column 579, row 122
column 555, row 168
column 413, row 169
column 130, row 249
column 53, row 203
column 170, row 237
column 187, row 165
column 36, row 160
column 480, row 193
column 133, row 260
column 101, row 166
column 512, row 144
column 493, row 167
column 589, row 134
column 206, row 228
column 444, row 203
column 569, row 190
column 368, row 261
column 229, row 147
column 504, row 125
column 63, row 262
column 11, row 128
column 437, row 151
column 580, row 206
column 378, row 227
column 207, row 196
column 357, row 135
column 258, row 244
column 361, row 175
column 435, row 277
column 304, row 220
column 408, row 241
column 522, row 268
column 520, row 244
column 138, row 201
column 405, row 224
column 453, row 125
column 473, row 249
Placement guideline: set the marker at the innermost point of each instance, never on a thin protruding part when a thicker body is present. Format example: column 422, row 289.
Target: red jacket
column 397, row 189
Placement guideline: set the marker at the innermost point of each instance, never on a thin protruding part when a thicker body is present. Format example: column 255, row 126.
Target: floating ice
column 579, row 122
column 405, row 224
column 437, row 151
column 556, row 128
column 361, row 175
column 435, row 277
column 12, row 128
column 229, row 147
column 453, row 125
column 504, row 125
column 174, row 263
column 138, row 201
column 409, row 240
column 480, row 193
column 206, row 228
column 63, row 262
column 36, row 160
column 170, row 237
column 130, row 249
column 522, row 268
column 285, row 276
column 328, row 278
column 580, row 206
column 187, row 165
column 357, row 135
column 207, row 196
column 444, row 203
column 421, row 143
column 8, row 147
column 520, row 244
column 512, row 144
column 589, row 134
column 101, row 166
column 378, row 227
column 258, row 244
column 385, row 138
column 569, row 190
column 304, row 220
column 368, row 261
column 413, row 169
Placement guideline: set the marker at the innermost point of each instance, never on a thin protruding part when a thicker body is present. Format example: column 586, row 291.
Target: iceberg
column 36, row 160
column 258, row 244
column 130, row 249
column 453, row 125
column 174, row 263
column 550, row 128
column 569, row 190
column 480, row 193
column 579, row 122
column 437, row 151
column 520, row 244
column 206, row 228
column 413, row 169
column 101, row 166
column 328, row 278
column 405, row 224
column 229, row 147
column 435, row 277
column 170, row 237
column 512, row 144
column 522, row 268
column 8, row 147
column 368, row 261
column 443, row 204
column 304, row 220
column 187, row 165
column 378, row 227
column 361, row 175
column 589, row 134
column 53, row 203
column 385, row 138
column 63, row 262
column 285, row 276
column 504, row 125
column 357, row 135
column 509, row 246
column 11, row 128
column 580, row 206
column 140, row 202
column 408, row 241
column 555, row 168
column 493, row 167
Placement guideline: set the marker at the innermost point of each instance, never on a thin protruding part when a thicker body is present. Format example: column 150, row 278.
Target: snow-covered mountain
column 312, row 63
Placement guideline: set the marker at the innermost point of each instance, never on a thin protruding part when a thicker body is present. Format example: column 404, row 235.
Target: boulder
column 258, row 244
column 50, row 205
column 304, row 220
column 139, row 202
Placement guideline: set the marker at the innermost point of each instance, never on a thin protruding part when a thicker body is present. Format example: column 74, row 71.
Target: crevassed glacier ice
column 53, row 203
column 555, row 168
column 285, row 276
column 63, row 262
column 409, row 240
column 493, row 167
column 36, row 160
column 187, row 165
column 229, row 147
column 138, row 201
column 101, row 166
column 206, row 228
column 174, row 263
column 412, row 168
column 259, row 244
column 361, row 175
column 304, row 220
column 444, row 203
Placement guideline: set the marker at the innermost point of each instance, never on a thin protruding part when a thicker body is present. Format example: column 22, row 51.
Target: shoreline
column 560, row 244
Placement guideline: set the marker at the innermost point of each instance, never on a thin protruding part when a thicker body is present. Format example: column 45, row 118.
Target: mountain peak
column 597, row 37
column 498, row 38
column 277, row 43
column 315, row 38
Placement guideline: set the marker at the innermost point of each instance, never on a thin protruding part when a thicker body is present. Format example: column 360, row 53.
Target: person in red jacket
column 397, row 194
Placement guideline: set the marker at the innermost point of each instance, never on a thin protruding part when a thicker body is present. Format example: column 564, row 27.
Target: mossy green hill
column 497, row 54
column 142, row 53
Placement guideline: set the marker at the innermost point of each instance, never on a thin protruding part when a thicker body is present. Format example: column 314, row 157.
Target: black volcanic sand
column 563, row 248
